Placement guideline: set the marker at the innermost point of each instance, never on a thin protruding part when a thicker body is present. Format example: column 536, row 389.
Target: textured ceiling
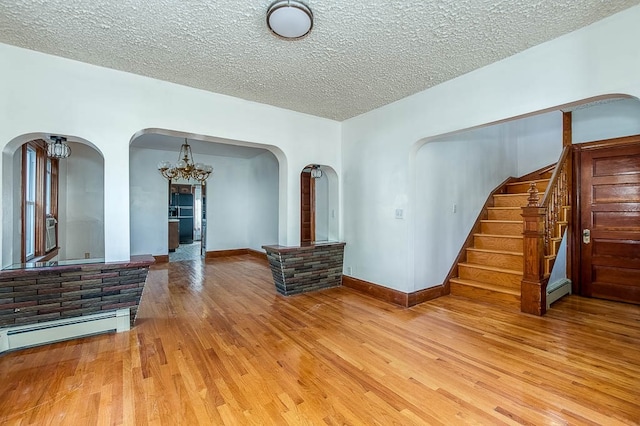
column 359, row 56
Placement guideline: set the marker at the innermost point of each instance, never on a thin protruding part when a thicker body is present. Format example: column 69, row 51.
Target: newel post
column 533, row 289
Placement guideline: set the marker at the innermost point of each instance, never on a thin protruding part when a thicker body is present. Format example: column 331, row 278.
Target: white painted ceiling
column 198, row 146
column 360, row 55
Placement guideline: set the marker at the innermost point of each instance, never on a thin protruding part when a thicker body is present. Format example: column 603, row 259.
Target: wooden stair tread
column 486, row 286
column 497, row 236
column 520, row 182
column 519, row 194
column 503, row 221
column 490, row 268
column 513, row 253
column 506, row 207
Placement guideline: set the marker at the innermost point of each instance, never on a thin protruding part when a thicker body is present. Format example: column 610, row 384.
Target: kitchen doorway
column 187, row 221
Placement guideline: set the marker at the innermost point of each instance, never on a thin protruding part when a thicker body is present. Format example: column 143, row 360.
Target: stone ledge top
column 136, row 261
column 302, row 247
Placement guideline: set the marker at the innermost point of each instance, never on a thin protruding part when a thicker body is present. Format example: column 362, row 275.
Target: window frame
column 41, row 190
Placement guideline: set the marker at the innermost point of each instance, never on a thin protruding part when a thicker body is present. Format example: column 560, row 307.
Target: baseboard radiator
column 24, row 336
column 558, row 289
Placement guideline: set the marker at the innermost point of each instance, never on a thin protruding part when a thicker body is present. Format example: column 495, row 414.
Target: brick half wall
column 34, row 295
column 305, row 268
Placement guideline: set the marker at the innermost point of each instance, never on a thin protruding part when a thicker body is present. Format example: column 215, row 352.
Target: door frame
column 574, row 240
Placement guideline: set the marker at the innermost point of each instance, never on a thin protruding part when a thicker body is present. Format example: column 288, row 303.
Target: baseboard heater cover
column 558, row 289
column 24, row 336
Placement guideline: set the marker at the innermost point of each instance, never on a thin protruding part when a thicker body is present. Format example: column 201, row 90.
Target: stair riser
column 499, row 260
column 492, row 277
column 496, row 214
column 497, row 243
column 523, row 187
column 482, row 295
column 502, row 228
column 510, row 200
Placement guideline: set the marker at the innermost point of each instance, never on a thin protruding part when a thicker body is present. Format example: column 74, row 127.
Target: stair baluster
column 542, row 229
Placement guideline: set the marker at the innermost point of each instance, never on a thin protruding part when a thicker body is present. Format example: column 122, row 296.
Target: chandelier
column 185, row 168
column 58, row 147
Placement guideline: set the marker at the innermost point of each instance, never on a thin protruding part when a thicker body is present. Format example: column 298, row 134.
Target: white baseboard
column 558, row 289
column 24, row 336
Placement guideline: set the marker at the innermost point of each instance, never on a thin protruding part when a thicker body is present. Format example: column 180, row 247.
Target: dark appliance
column 184, row 204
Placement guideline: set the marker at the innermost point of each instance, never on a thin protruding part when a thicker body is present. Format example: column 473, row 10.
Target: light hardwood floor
column 215, row 344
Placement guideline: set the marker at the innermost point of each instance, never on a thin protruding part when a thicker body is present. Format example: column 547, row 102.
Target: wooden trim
column 390, row 295
column 574, row 240
column 376, row 291
column 257, row 254
column 475, row 229
column 421, row 296
column 606, row 143
column 23, row 192
column 567, row 132
column 537, row 173
column 312, row 195
column 226, row 253
column 47, row 257
column 162, row 258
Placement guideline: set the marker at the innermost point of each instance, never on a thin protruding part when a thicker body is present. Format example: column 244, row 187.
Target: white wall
column 149, row 201
column 262, row 195
column 606, row 120
column 539, row 140
column 380, row 147
column 229, row 203
column 458, row 170
column 241, row 196
column 322, row 213
column 81, row 228
column 108, row 107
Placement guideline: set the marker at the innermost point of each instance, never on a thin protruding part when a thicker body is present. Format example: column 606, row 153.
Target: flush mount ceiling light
column 58, row 147
column 289, row 19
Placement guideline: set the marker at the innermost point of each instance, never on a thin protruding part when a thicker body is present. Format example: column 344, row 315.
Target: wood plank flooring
column 215, row 344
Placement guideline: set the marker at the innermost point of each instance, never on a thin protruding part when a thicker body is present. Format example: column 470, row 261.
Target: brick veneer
column 305, row 268
column 36, row 295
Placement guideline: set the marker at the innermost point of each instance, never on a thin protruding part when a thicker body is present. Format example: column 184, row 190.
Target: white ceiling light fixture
column 289, row 19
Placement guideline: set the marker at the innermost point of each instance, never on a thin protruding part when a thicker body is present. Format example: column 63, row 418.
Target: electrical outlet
column 349, row 270
column 399, row 214
column 455, row 207
column 87, row 255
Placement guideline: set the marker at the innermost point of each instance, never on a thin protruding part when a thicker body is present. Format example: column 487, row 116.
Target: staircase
column 490, row 268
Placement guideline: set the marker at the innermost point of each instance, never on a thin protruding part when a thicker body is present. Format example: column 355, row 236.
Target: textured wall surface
column 359, row 55
column 300, row 269
column 29, row 296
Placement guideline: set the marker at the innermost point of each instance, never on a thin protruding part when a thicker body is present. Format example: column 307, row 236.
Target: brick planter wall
column 36, row 295
column 305, row 268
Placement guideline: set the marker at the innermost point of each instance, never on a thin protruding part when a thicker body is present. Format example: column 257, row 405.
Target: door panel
column 307, row 208
column 610, row 210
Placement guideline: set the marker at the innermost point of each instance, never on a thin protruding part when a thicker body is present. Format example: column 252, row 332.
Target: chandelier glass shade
column 58, row 147
column 185, row 168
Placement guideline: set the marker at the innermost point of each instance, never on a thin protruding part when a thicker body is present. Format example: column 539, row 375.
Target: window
column 30, row 204
column 40, row 197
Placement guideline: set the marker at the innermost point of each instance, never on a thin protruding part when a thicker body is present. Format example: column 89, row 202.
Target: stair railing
column 542, row 229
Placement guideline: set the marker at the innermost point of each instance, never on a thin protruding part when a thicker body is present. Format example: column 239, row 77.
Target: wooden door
column 307, row 208
column 610, row 213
